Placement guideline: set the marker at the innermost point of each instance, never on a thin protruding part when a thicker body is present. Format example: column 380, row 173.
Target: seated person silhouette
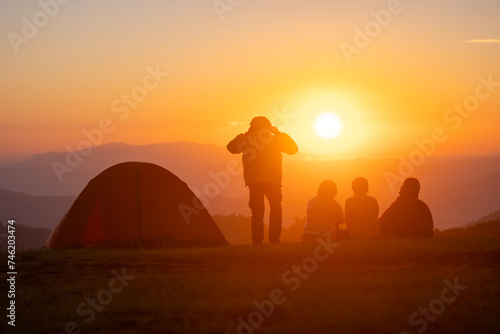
column 408, row 216
column 361, row 212
column 324, row 213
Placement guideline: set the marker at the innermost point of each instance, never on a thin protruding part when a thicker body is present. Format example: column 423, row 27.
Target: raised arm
column 235, row 145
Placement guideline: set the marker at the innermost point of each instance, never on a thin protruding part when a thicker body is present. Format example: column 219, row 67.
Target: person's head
column 327, row 189
column 360, row 185
column 258, row 123
column 410, row 187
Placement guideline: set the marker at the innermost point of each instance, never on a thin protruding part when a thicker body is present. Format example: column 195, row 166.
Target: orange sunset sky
column 392, row 71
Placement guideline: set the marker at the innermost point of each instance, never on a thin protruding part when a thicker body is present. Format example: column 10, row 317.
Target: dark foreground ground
column 386, row 286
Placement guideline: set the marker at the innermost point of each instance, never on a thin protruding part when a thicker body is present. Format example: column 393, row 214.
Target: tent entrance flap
column 94, row 231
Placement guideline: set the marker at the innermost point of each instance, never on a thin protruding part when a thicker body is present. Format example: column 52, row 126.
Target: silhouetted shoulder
column 286, row 143
column 428, row 222
column 365, row 200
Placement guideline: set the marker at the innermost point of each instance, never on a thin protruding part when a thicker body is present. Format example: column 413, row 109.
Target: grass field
column 383, row 286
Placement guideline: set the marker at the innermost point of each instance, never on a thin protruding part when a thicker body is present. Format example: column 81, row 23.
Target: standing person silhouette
column 361, row 212
column 262, row 146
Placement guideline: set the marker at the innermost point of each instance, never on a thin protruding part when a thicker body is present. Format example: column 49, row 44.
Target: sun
column 328, row 125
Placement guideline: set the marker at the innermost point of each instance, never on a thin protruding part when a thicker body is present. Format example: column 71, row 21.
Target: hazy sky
column 90, row 64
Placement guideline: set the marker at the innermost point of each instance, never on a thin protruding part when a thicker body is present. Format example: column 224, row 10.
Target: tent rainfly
column 136, row 204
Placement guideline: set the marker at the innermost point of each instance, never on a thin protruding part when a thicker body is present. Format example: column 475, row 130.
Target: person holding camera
column 262, row 147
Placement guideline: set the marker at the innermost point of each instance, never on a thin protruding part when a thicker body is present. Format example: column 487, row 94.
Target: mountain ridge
column 458, row 190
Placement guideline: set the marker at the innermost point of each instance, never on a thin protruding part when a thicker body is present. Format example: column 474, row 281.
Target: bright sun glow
column 328, row 125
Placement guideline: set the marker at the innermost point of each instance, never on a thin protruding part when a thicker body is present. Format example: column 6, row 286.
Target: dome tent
column 136, row 204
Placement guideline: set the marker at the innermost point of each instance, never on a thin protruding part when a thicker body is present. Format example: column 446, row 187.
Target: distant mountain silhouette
column 33, row 211
column 458, row 189
column 37, row 177
column 9, row 159
column 464, row 201
column 492, row 216
column 482, row 229
column 27, row 238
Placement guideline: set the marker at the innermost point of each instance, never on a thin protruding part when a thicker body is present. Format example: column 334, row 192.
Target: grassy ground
column 361, row 287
